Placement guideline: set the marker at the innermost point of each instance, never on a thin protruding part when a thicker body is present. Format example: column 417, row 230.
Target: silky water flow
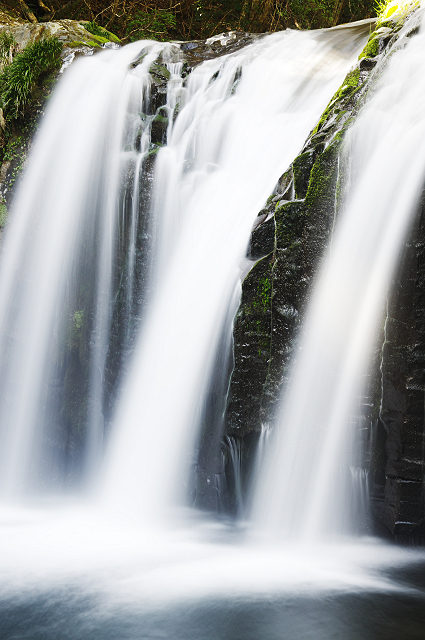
column 126, row 559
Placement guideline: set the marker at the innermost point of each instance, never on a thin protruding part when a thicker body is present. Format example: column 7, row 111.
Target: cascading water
column 140, row 309
column 59, row 255
column 210, row 185
column 208, row 188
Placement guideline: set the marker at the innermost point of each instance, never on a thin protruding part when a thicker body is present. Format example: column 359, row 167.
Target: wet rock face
column 302, row 210
column 70, row 32
column 197, row 51
column 399, row 493
column 300, row 214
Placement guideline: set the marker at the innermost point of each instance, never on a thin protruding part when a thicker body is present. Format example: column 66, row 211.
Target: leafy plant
column 7, row 44
column 192, row 19
column 3, row 214
column 151, row 24
column 394, row 9
column 19, row 79
column 95, row 29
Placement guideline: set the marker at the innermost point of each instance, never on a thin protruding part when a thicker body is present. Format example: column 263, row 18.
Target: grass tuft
column 7, row 45
column 100, row 32
column 19, row 79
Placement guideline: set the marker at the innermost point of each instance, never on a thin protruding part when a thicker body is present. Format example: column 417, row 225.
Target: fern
column 19, row 80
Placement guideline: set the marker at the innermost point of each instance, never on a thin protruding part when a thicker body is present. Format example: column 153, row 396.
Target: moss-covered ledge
column 304, row 207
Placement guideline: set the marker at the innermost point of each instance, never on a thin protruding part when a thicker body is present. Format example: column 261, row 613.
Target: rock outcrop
column 287, row 243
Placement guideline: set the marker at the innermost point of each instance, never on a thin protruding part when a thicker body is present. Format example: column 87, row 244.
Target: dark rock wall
column 398, row 449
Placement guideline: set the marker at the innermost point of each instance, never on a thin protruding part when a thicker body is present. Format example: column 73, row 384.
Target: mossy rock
column 321, row 186
column 3, row 214
column 252, row 337
column 159, row 128
column 262, row 240
column 159, row 72
column 371, row 49
column 100, row 34
column 301, row 167
column 342, row 97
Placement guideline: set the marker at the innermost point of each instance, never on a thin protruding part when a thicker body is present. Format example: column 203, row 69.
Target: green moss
column 13, row 148
column 3, row 214
column 322, row 177
column 347, row 90
column 154, row 149
column 7, row 44
column 99, row 40
column 19, row 79
column 264, row 291
column 160, row 71
column 290, row 219
column 371, row 49
column 75, row 330
column 256, row 302
column 78, row 320
column 100, row 33
column 301, row 169
column 263, row 338
column 15, row 152
column 83, row 43
column 394, row 13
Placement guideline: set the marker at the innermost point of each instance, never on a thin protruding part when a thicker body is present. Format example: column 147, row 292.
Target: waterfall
column 58, row 256
column 120, row 277
column 225, row 153
column 110, row 319
column 301, row 492
column 236, row 470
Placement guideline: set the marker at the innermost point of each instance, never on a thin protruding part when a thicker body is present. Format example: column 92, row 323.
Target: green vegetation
column 395, row 10
column 7, row 46
column 371, row 49
column 154, row 24
column 20, row 78
column 3, row 214
column 323, row 176
column 301, row 168
column 15, row 152
column 77, row 325
column 193, row 19
column 265, row 290
column 81, row 43
column 290, row 220
column 391, row 14
column 347, row 90
column 96, row 30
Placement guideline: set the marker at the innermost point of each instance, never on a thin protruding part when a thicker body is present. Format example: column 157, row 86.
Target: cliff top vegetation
column 195, row 19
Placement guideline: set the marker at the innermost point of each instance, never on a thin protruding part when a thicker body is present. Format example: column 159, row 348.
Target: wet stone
column 262, row 240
